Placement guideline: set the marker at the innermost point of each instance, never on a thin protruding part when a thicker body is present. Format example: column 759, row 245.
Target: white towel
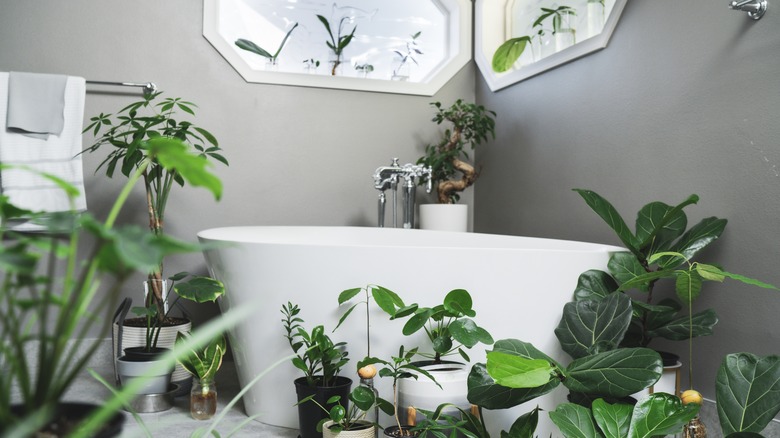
column 57, row 155
column 36, row 104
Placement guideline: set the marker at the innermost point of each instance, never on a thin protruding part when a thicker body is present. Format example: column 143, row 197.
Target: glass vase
column 203, row 400
column 695, row 429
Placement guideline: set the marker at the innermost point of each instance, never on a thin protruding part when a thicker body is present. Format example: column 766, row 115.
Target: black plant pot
column 309, row 414
column 70, row 414
column 395, row 432
column 140, row 354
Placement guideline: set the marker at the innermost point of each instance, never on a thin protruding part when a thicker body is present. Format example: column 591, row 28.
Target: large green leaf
column 617, row 373
column 747, row 392
column 660, row 414
column 485, row 392
column 697, row 238
column 714, row 273
column 613, row 419
column 688, row 286
column 200, row 289
column 594, row 284
column 574, row 421
column 386, row 299
column 524, row 426
column 173, row 155
column 679, row 329
column 468, row 333
column 508, row 53
column 252, row 47
column 523, row 349
column 658, row 225
column 609, row 214
column 587, row 323
column 658, row 315
column 458, row 303
column 625, row 268
column 519, row 372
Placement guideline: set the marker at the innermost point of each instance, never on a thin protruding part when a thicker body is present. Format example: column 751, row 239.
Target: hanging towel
column 36, row 104
column 58, row 155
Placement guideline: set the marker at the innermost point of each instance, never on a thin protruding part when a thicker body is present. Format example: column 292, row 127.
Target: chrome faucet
column 387, row 177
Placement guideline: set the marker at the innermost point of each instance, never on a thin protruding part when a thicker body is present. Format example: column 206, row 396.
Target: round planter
column 362, row 429
column 309, row 414
column 132, row 368
column 422, row 393
column 136, row 337
column 670, row 377
column 444, row 217
column 394, row 432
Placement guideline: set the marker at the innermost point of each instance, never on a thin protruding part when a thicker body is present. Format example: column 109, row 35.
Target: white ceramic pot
column 422, row 393
column 130, row 370
column 668, row 383
column 136, row 337
column 368, row 432
column 444, row 217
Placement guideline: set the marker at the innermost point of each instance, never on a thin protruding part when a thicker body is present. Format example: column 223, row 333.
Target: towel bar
column 148, row 87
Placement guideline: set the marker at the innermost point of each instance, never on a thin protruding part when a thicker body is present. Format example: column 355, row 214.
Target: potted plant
column 349, row 421
column 337, row 42
column 321, row 361
column 137, row 122
column 661, row 248
column 472, row 124
column 398, row 368
column 53, row 292
column 203, row 363
column 273, row 60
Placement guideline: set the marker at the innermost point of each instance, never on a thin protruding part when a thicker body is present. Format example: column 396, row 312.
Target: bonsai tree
column 125, row 132
column 53, row 294
column 471, row 125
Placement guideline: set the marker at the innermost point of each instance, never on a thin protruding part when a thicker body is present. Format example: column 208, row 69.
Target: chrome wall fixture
column 754, row 8
column 148, row 88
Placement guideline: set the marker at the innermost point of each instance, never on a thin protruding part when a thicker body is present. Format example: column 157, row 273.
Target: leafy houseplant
column 321, row 361
column 398, row 368
column 52, row 293
column 351, row 418
column 203, row 363
column 249, row 46
column 142, row 121
column 404, row 58
column 471, row 125
column 338, row 41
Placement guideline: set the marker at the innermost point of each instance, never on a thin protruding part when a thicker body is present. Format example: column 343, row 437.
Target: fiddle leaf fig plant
column 472, row 125
column 747, row 392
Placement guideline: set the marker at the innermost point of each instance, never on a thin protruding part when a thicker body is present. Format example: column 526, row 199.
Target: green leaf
column 746, row 280
column 485, row 392
column 698, row 237
column 688, row 286
column 200, row 289
column 348, row 294
column 700, row 324
column 658, row 225
column 660, row 414
column 252, row 47
column 617, row 373
column 173, row 155
column 594, row 284
column 524, row 426
column 417, row 321
column 613, row 419
column 458, row 302
column 747, row 392
column 626, row 268
column 519, row 372
column 508, row 53
column 386, row 300
column 466, row 331
column 574, row 421
column 607, row 212
column 362, row 397
column 586, row 323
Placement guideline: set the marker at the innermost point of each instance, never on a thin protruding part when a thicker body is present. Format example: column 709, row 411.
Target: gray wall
column 685, row 99
column 299, row 156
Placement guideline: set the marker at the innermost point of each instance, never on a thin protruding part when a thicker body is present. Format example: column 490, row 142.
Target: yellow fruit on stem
column 691, row 396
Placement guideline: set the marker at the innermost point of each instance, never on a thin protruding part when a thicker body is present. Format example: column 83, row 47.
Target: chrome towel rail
column 148, row 88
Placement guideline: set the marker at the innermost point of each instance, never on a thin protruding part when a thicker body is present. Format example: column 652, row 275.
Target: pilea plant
column 472, row 125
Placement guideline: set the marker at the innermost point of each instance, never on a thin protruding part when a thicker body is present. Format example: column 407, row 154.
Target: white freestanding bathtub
column 519, row 286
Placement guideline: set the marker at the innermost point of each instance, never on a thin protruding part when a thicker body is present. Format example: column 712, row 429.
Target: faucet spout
column 754, row 8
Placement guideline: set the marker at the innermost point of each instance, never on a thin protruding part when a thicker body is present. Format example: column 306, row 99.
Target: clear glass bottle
column 695, row 429
column 372, row 416
column 203, row 399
